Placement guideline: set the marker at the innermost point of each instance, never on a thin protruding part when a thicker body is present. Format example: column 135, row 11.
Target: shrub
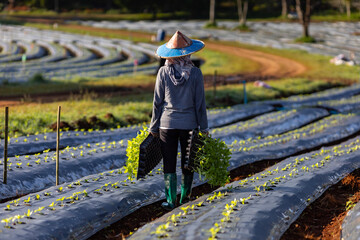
column 5, row 82
column 210, row 25
column 305, row 40
column 37, row 78
column 243, row 28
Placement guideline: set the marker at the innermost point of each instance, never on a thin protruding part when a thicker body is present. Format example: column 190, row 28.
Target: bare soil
column 324, row 217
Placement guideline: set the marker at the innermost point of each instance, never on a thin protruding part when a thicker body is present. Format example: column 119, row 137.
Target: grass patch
column 305, row 40
column 225, row 63
column 210, row 25
column 35, row 118
column 111, row 15
column 234, row 94
column 243, row 28
column 77, row 85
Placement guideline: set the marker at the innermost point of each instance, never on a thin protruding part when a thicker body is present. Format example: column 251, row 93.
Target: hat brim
column 165, row 52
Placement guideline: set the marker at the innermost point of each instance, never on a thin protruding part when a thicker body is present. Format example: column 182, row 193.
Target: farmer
column 179, row 107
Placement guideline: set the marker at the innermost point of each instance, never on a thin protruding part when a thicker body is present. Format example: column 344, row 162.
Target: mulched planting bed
column 132, row 222
column 324, row 217
column 270, row 200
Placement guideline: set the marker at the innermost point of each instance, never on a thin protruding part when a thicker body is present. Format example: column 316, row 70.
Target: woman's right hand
column 155, row 134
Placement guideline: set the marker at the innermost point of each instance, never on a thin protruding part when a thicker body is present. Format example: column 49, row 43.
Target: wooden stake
column 6, row 144
column 214, row 84
column 57, row 145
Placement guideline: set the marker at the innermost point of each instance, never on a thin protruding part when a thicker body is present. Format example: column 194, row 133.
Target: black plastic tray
column 150, row 155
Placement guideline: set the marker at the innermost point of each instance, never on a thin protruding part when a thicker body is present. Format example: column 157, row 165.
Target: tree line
column 192, row 9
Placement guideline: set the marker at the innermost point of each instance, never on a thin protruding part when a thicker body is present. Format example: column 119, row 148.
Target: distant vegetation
column 164, row 9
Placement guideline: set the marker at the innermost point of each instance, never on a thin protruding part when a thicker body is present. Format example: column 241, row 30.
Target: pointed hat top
column 179, row 40
column 179, row 45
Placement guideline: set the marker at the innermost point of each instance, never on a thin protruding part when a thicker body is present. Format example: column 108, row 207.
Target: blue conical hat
column 178, row 46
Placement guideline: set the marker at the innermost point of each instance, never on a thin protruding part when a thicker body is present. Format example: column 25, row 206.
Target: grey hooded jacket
column 180, row 106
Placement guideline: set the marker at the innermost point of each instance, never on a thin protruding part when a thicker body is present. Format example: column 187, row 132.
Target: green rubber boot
column 186, row 182
column 170, row 191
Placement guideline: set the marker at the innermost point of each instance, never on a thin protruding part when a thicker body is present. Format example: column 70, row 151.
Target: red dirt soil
column 324, row 217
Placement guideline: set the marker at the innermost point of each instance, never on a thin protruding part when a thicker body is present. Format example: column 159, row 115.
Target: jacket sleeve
column 200, row 105
column 158, row 103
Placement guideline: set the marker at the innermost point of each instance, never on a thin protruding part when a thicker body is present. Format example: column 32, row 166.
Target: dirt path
column 5, row 103
column 270, row 66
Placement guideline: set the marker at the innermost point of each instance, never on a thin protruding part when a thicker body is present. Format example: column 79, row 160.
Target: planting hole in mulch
column 324, row 217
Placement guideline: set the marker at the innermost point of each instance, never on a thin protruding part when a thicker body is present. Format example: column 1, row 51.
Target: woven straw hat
column 178, row 46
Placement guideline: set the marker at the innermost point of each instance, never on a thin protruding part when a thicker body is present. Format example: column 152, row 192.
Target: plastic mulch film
column 313, row 99
column 36, row 172
column 221, row 117
column 69, row 212
column 38, row 143
column 31, row 173
column 344, row 105
column 262, row 206
column 270, row 124
column 325, row 131
column 350, row 229
column 149, row 156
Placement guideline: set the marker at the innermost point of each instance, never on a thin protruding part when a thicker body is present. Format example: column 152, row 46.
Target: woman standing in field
column 179, row 107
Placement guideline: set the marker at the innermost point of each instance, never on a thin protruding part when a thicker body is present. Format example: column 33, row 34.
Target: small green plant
column 349, row 205
column 8, row 208
column 85, row 193
column 7, row 221
column 213, row 231
column 161, row 230
column 27, row 201
column 17, row 219
column 28, row 214
column 132, row 152
column 38, row 211
column 61, row 200
column 52, row 206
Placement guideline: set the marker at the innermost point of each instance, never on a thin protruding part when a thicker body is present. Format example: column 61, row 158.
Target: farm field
column 84, row 190
column 304, row 129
